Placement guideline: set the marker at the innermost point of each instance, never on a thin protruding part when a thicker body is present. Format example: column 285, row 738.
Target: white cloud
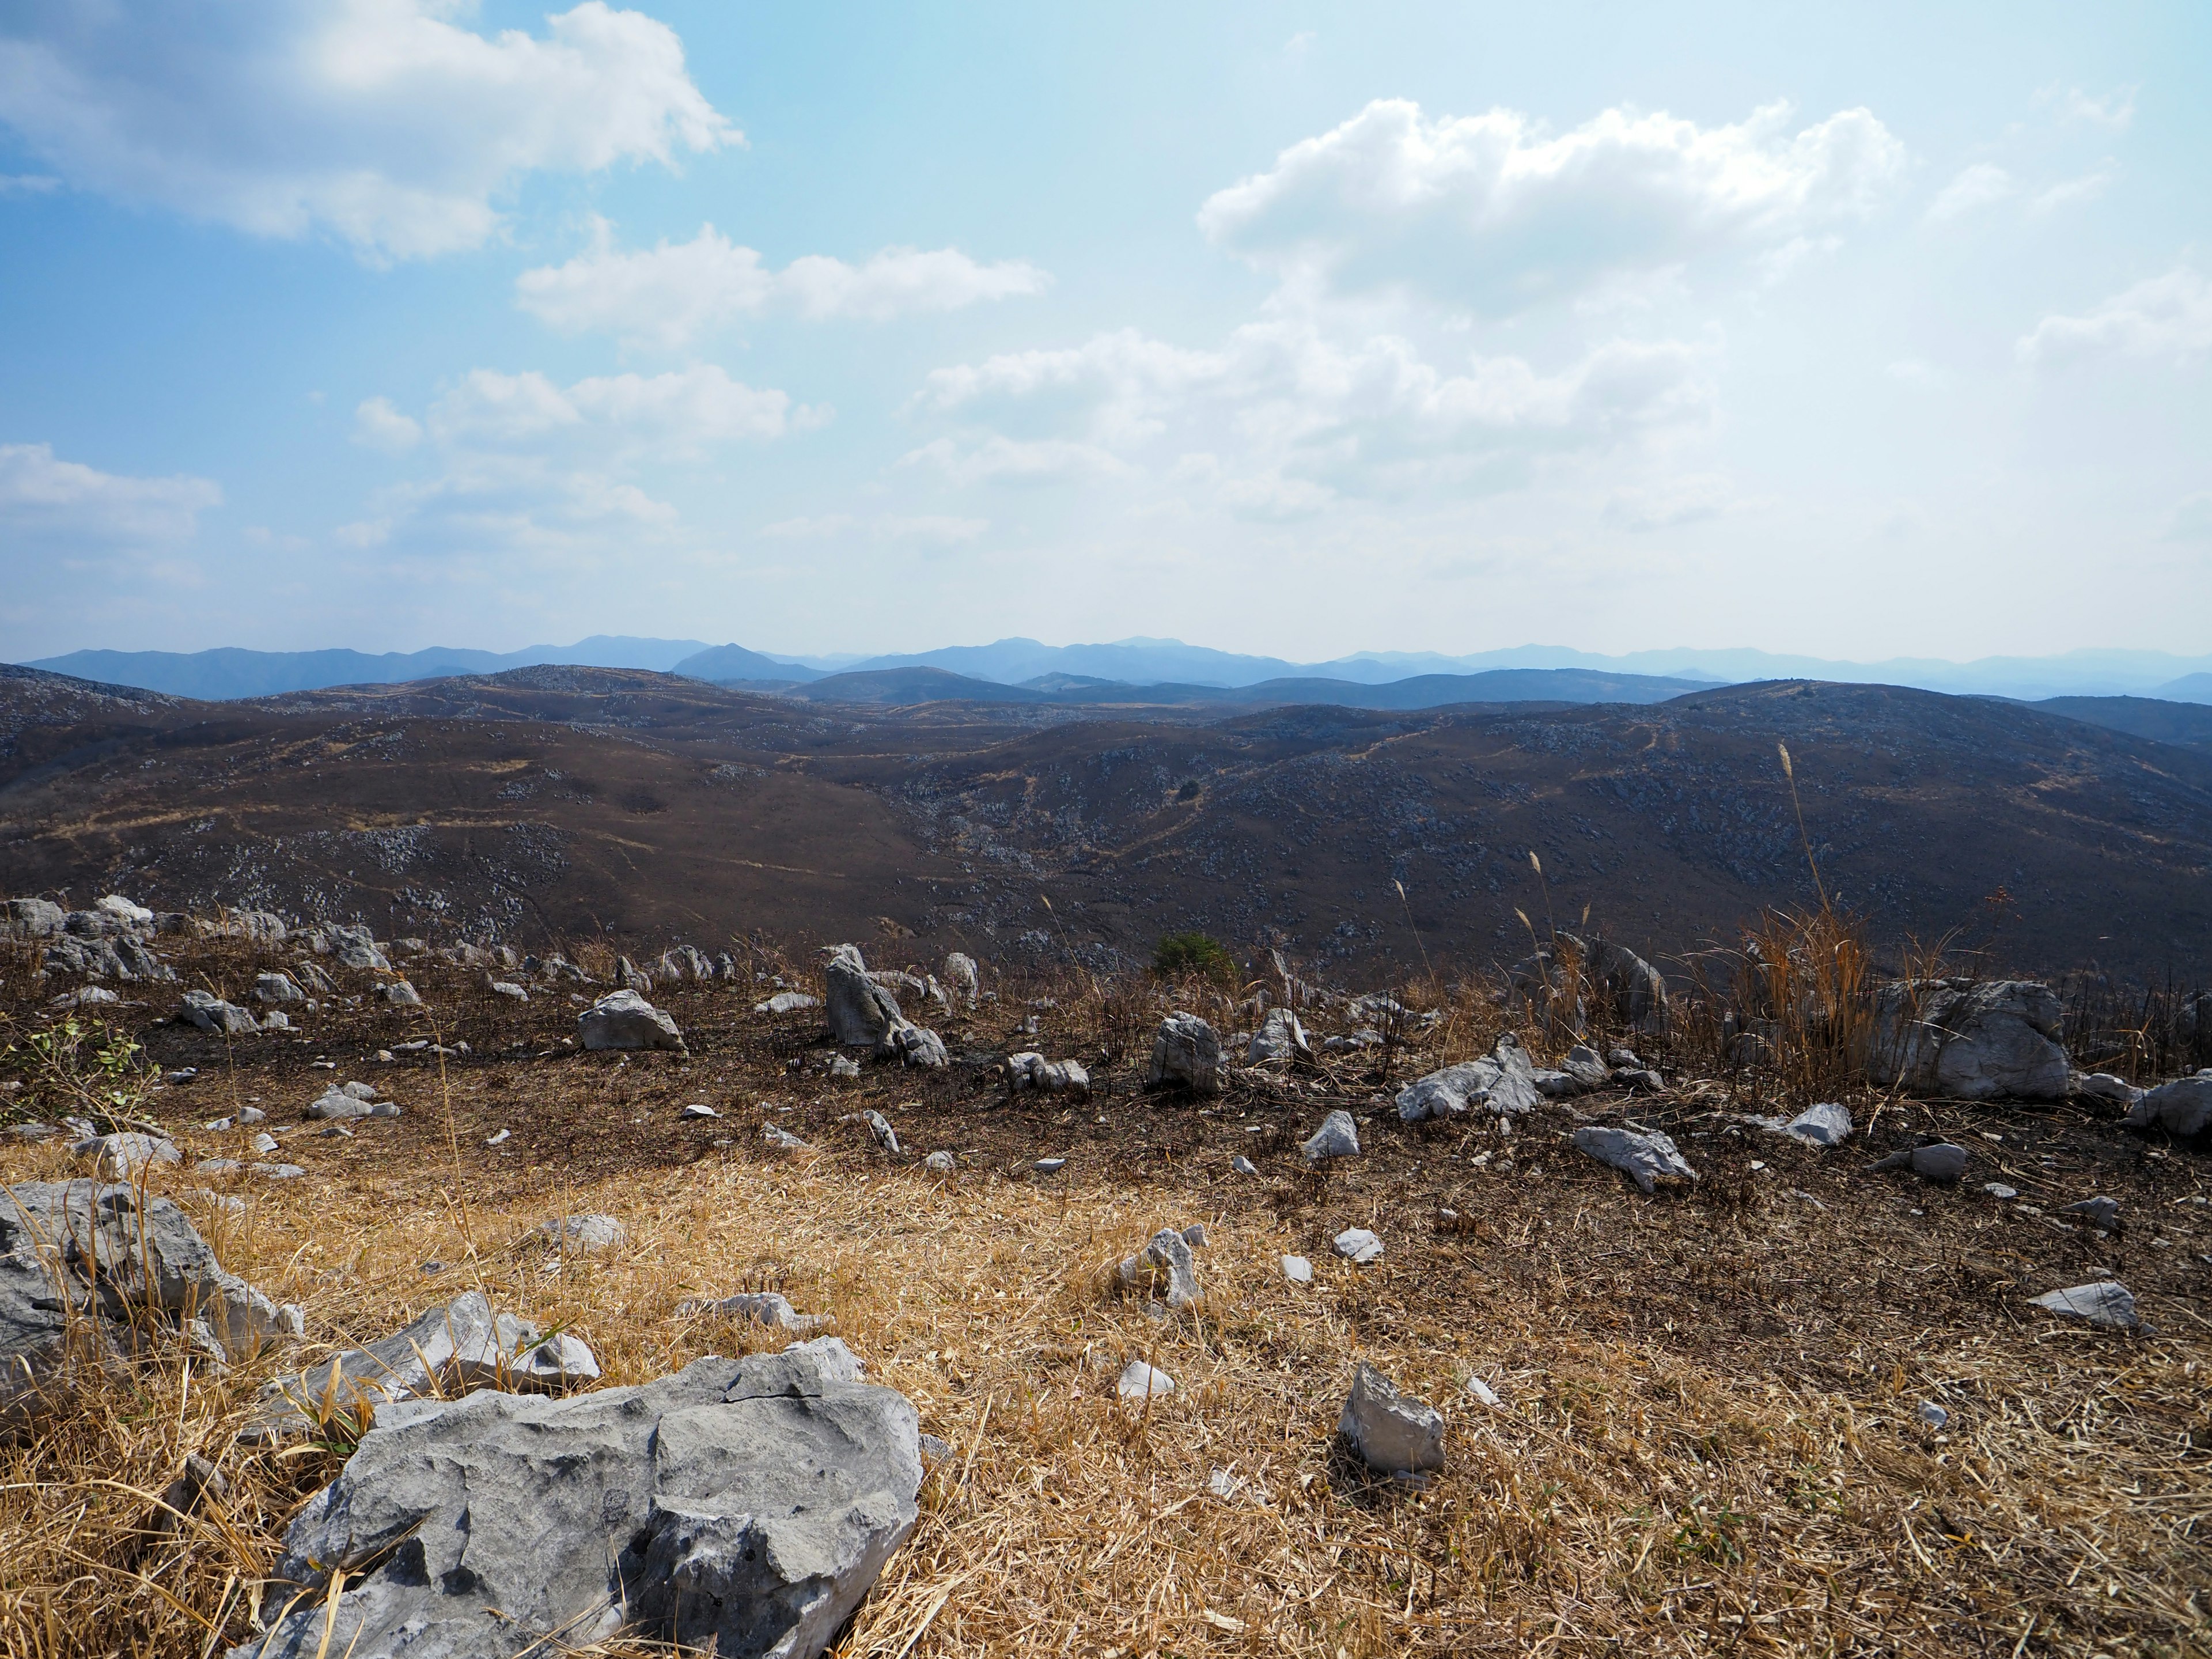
column 28, row 183
column 671, row 294
column 1982, row 184
column 69, row 505
column 1489, row 211
column 379, row 121
column 2163, row 316
column 1917, row 371
column 2115, row 109
column 1303, row 417
column 684, row 410
column 2068, row 191
column 378, row 425
column 993, row 457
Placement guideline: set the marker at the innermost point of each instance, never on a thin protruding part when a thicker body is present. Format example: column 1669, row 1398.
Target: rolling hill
column 557, row 801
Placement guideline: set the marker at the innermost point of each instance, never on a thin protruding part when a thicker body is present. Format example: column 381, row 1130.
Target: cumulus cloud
column 1305, row 410
column 671, row 294
column 1982, row 184
column 381, row 122
column 378, row 425
column 1489, row 211
column 686, row 409
column 2115, row 109
column 2168, row 316
column 66, row 504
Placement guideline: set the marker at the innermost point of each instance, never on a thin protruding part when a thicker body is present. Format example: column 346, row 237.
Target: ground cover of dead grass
column 1707, row 1441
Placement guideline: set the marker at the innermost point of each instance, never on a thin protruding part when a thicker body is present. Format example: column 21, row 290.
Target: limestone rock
column 1033, row 1071
column 1280, row 1038
column 1940, row 1161
column 1164, row 1268
column 786, row 1002
column 940, row 1163
column 1393, row 1433
column 1139, row 1381
column 960, row 973
column 1963, row 1039
column 1358, row 1246
column 755, row 1307
column 277, row 989
column 1647, row 1158
column 356, row 948
column 211, row 1013
column 2106, row 1302
column 2100, row 1212
column 741, row 1507
column 1298, row 1270
column 98, row 1250
column 2181, row 1108
column 624, row 1019
column 1504, row 1083
column 585, row 1232
column 1828, row 1124
column 862, row 1013
column 460, row 1346
column 120, row 1157
column 1338, row 1137
column 1187, row 1051
column 25, row 919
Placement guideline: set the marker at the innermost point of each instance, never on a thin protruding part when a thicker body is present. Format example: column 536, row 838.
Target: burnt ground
column 553, row 803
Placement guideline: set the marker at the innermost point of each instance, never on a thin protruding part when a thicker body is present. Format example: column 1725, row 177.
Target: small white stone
column 1139, row 1381
column 1482, row 1391
column 1298, row 1270
column 1360, row 1245
column 698, row 1109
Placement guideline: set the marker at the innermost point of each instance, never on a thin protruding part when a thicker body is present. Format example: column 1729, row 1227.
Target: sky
column 1288, row 328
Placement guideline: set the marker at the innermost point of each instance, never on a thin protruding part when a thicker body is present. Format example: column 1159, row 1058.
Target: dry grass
column 1706, row 1442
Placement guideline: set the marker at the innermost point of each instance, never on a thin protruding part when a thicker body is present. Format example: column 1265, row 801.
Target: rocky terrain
column 552, row 803
column 385, row 1295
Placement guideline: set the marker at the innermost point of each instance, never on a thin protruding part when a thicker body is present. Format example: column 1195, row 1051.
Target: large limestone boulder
column 98, row 1252
column 1503, row 1082
column 27, row 919
column 1633, row 993
column 863, row 1011
column 1186, row 1051
column 624, row 1019
column 1646, row 1159
column 739, row 1507
column 1962, row 1039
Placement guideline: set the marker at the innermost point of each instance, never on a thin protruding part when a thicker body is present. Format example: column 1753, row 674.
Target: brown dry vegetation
column 1707, row 1442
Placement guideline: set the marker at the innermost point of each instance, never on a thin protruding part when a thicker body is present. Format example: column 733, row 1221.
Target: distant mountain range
column 908, row 687
column 1149, row 663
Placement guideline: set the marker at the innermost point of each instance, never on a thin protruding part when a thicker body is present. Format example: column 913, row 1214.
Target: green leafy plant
column 1194, row 956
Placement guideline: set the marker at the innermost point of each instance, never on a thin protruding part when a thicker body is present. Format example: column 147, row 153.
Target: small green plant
column 1194, row 956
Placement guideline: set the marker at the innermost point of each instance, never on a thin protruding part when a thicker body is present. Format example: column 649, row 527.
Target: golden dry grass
column 1628, row 1495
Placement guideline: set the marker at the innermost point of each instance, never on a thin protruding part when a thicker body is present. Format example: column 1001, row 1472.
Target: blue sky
column 1284, row 328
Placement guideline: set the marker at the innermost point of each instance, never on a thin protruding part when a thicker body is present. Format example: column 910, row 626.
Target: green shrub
column 1186, row 956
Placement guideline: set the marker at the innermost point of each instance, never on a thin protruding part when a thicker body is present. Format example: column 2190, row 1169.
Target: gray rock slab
column 1964, row 1039
column 1647, row 1158
column 2106, row 1302
column 1941, row 1162
column 741, row 1507
column 1298, row 1270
